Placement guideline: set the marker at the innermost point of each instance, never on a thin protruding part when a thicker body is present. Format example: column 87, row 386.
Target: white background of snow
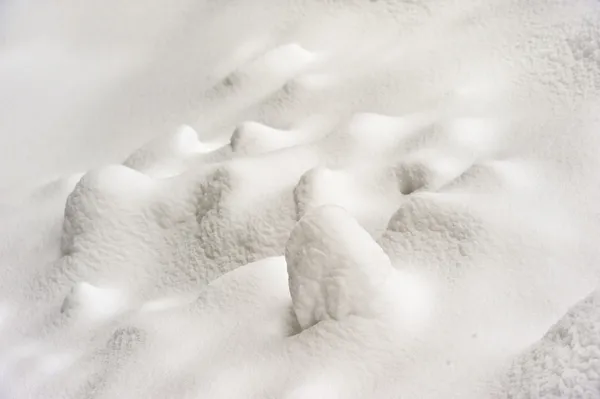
column 487, row 109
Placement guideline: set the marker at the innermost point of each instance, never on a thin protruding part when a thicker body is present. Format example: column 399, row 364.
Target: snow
column 281, row 199
column 565, row 363
column 169, row 156
column 335, row 269
column 88, row 301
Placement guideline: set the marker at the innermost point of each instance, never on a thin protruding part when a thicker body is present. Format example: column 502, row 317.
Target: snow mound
column 368, row 192
column 254, row 138
column 336, row 269
column 566, row 362
column 367, row 200
column 169, row 156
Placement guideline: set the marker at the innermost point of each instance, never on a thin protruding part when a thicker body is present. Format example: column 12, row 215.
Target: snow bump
column 335, row 268
column 430, row 169
column 87, row 301
column 166, row 156
column 116, row 180
column 253, row 137
column 367, row 192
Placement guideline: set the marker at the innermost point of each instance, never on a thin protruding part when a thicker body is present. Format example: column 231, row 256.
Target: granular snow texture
column 300, row 199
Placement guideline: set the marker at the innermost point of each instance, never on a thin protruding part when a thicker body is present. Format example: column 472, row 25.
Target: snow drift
column 367, row 199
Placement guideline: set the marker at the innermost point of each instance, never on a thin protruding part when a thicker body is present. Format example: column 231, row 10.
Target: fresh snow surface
column 300, row 199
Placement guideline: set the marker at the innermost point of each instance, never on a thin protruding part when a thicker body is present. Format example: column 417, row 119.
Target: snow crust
column 319, row 199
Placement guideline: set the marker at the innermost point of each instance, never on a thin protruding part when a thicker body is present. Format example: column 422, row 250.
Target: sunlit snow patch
column 118, row 180
column 86, row 301
column 478, row 134
column 481, row 92
column 383, row 129
column 325, row 384
column 288, row 59
column 166, row 303
column 413, row 299
column 317, row 81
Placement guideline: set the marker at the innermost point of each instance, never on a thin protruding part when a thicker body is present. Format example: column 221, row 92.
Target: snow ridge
column 403, row 227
